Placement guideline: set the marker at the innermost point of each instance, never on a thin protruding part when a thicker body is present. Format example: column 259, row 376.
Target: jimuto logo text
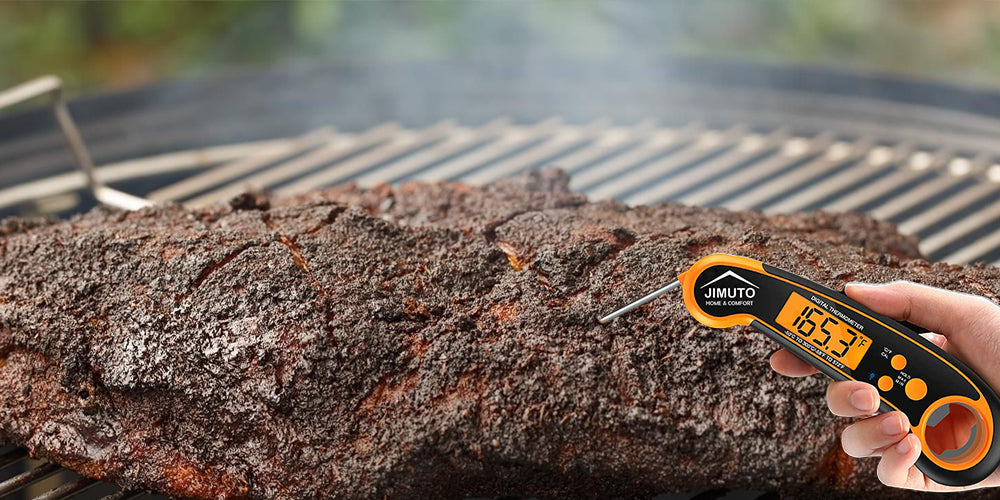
column 737, row 291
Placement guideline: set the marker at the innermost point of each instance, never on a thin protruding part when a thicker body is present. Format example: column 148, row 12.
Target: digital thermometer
column 951, row 409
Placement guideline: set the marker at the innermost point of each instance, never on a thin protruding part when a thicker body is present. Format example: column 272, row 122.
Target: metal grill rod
column 611, row 142
column 857, row 169
column 914, row 198
column 68, row 489
column 547, row 150
column 660, row 143
column 461, row 140
column 900, row 176
column 52, row 87
column 514, row 139
column 239, row 167
column 975, row 194
column 750, row 147
column 837, row 156
column 396, row 147
column 160, row 164
column 340, row 148
column 976, row 248
column 17, row 482
column 707, row 143
column 794, row 150
column 966, row 225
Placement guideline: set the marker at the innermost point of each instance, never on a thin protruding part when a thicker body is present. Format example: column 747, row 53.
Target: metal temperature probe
column 944, row 400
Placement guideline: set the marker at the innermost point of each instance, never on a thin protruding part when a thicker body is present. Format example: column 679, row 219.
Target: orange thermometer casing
column 847, row 341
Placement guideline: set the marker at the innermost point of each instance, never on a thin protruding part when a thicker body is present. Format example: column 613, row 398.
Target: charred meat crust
column 430, row 340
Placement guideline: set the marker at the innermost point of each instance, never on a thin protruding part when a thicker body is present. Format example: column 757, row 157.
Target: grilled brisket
column 430, row 340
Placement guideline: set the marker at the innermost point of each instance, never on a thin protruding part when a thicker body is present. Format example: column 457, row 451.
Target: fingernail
column 904, row 446
column 893, row 425
column 863, row 400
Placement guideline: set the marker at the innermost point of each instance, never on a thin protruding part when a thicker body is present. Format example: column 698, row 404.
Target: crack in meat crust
column 420, row 341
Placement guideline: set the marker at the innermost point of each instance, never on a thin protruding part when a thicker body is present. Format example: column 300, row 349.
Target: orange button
column 884, row 383
column 916, row 389
column 898, row 362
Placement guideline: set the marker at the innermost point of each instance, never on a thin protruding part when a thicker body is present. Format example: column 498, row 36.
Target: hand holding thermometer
column 951, row 410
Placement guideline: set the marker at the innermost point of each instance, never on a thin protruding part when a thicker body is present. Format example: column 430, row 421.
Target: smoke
column 356, row 64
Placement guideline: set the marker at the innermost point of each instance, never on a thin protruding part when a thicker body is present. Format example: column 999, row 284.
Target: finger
column 851, row 398
column 868, row 437
column 941, row 311
column 789, row 365
column 896, row 467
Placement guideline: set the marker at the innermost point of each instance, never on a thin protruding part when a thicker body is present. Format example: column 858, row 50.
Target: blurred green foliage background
column 118, row 44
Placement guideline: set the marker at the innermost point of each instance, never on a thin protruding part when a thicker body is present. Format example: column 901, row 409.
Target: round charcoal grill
column 920, row 154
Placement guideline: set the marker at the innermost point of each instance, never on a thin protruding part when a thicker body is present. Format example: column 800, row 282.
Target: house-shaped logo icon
column 734, row 275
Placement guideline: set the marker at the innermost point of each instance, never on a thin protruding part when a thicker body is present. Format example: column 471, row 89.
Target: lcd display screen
column 831, row 335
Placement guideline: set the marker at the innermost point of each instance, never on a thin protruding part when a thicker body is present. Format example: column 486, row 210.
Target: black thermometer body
column 847, row 341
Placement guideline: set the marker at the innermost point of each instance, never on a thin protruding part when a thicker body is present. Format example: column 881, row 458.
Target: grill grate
column 946, row 199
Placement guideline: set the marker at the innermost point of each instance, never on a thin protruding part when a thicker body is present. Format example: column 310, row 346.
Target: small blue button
column 871, row 376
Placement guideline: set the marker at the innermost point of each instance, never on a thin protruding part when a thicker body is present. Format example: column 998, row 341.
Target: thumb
column 948, row 313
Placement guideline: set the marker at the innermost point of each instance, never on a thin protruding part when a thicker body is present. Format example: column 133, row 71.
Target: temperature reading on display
column 819, row 328
column 806, row 327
